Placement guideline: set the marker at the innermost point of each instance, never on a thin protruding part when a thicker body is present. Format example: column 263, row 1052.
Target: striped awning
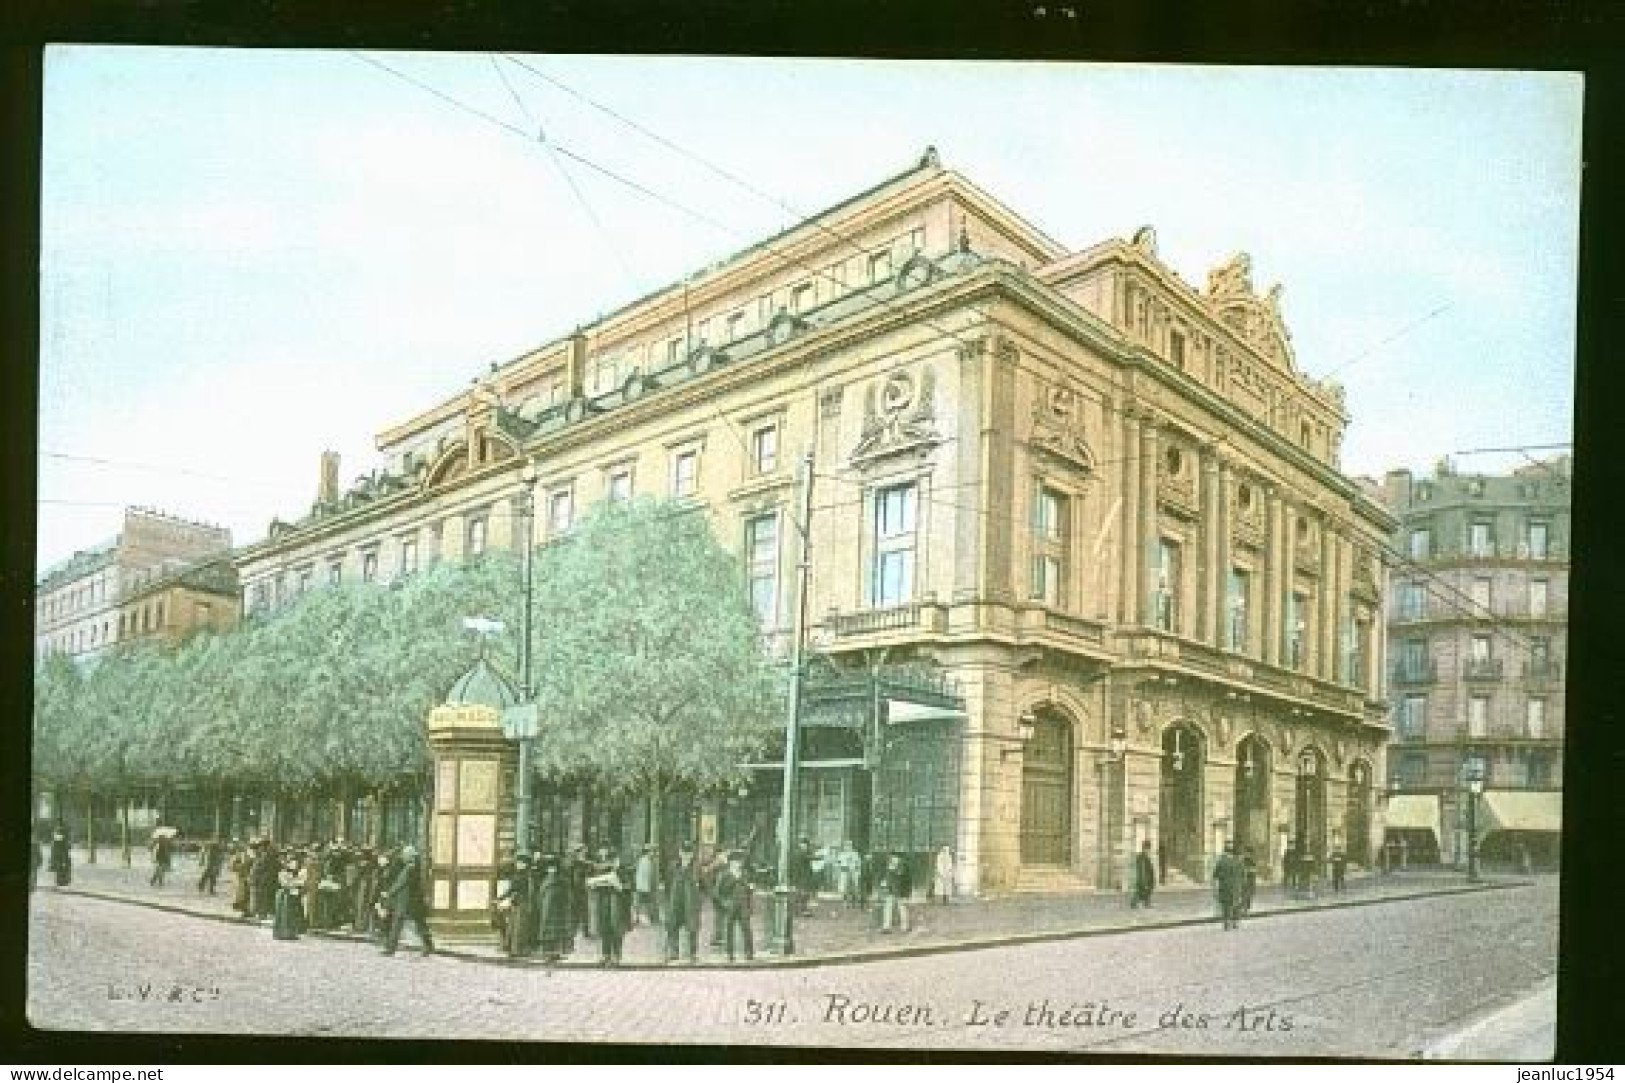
column 1522, row 810
column 1414, row 812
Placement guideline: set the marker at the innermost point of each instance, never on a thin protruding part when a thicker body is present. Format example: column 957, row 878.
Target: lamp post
column 1388, row 801
column 1475, row 786
column 527, row 737
column 782, row 941
column 1116, row 766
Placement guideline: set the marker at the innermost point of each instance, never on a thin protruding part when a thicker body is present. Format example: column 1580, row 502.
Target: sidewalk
column 1522, row 1032
column 833, row 934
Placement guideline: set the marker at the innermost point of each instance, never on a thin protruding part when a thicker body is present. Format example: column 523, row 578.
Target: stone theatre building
column 1090, row 511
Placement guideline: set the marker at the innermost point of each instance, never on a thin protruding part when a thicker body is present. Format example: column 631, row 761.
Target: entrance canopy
column 1523, row 811
column 1414, row 812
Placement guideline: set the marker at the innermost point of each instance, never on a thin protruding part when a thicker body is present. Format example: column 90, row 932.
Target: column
column 1274, row 598
column 1149, row 445
column 1130, row 547
column 1221, row 558
column 1376, row 663
column 1211, row 583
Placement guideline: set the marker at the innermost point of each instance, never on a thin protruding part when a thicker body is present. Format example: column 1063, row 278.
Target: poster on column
column 1190, row 482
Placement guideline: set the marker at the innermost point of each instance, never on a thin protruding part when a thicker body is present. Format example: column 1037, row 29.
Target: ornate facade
column 1090, row 500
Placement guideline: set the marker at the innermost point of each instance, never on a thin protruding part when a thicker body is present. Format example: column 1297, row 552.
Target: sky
column 249, row 257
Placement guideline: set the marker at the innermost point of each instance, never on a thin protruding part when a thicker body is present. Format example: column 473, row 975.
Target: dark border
column 1583, row 35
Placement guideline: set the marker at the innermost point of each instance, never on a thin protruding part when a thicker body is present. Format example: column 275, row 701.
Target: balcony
column 1415, row 671
column 1482, row 669
column 897, row 618
column 1543, row 671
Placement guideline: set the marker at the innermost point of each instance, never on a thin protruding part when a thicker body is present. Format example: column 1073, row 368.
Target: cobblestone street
column 1386, row 980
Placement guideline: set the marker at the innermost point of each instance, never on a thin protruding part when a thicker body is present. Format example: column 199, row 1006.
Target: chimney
column 1396, row 489
column 327, row 492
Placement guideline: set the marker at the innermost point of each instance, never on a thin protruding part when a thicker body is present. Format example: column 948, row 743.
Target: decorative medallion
column 899, row 415
column 1057, row 426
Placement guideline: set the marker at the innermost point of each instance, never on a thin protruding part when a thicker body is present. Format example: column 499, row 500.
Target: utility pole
column 782, row 941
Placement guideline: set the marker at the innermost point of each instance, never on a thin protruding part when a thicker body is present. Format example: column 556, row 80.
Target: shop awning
column 1414, row 812
column 1538, row 810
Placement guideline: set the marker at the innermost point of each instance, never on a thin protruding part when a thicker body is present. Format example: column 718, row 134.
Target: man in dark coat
column 389, row 866
column 801, row 874
column 710, row 872
column 604, row 885
column 682, row 906
column 512, row 917
column 1249, row 882
column 733, row 894
column 211, row 860
column 1340, row 864
column 1145, row 877
column 163, row 853
column 405, row 893
column 61, row 859
column 1229, row 879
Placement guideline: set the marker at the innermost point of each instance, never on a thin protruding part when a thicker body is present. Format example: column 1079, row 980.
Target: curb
column 843, row 958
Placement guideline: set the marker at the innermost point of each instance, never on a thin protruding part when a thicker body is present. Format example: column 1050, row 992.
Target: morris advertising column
column 473, row 804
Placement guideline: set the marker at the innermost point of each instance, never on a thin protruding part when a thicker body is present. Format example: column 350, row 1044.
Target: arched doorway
column 1309, row 817
column 1180, row 795
column 1357, row 814
column 1252, row 809
column 1046, row 792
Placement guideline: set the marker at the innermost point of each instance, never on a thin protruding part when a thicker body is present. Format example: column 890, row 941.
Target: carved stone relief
column 899, row 414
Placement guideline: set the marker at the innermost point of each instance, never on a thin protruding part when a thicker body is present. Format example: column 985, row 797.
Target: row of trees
column 647, row 673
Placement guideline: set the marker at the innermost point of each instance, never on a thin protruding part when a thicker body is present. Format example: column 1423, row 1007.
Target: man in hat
column 210, row 861
column 682, row 906
column 1145, row 878
column 801, row 875
column 1229, row 883
column 733, row 896
column 61, row 863
column 405, row 893
column 513, row 909
column 604, row 886
column 163, row 853
column 557, row 928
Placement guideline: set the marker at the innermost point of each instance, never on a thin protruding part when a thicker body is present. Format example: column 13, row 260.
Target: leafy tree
column 649, row 671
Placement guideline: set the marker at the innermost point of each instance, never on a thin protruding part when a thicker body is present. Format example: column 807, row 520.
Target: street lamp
column 782, row 942
column 1112, row 767
column 527, row 737
column 1475, row 786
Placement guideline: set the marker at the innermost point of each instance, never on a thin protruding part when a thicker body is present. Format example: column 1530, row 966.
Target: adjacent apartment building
column 1098, row 507
column 81, row 606
column 1478, row 635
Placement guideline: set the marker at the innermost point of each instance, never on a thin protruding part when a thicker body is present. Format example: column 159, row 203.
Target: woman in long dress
column 557, row 916
column 289, row 920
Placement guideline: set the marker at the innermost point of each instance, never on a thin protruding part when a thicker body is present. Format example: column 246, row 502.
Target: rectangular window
column 1412, row 601
column 1540, row 656
column 916, row 239
column 1165, row 599
column 1479, row 543
column 1480, row 590
column 553, row 392
column 1478, row 716
column 1049, row 544
column 306, row 577
column 1413, row 769
column 1240, row 589
column 369, row 565
column 736, row 326
column 879, row 266
column 1480, row 646
column 1538, row 589
column 1296, row 628
column 1421, row 543
column 335, row 573
column 674, row 350
column 1176, row 349
column 685, row 472
column 1412, row 717
column 762, row 559
column 409, row 555
column 764, row 449
column 1538, row 535
column 1534, row 723
column 702, row 331
column 560, row 509
column 893, row 581
column 476, row 536
column 801, row 298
